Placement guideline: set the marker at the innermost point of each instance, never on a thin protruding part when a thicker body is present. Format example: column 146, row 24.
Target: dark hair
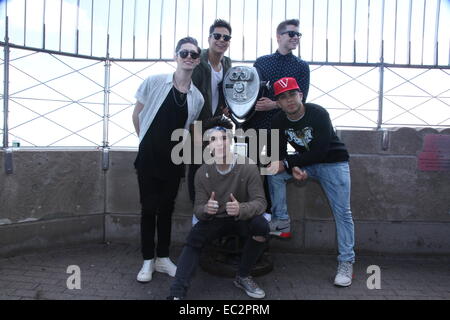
column 291, row 22
column 219, row 121
column 278, row 96
column 187, row 40
column 220, row 23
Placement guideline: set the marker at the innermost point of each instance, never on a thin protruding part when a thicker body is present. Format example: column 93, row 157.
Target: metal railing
column 410, row 32
column 373, row 63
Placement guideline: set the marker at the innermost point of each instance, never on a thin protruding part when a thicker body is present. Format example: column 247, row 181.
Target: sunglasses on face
column 292, row 34
column 184, row 54
column 218, row 139
column 217, row 36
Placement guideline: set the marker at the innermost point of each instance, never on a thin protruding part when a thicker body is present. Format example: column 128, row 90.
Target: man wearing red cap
column 319, row 154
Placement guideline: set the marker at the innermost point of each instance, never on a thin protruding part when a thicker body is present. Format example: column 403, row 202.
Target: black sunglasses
column 184, row 54
column 217, row 36
column 292, row 34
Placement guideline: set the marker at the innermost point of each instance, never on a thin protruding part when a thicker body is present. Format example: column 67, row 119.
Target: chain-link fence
column 70, row 68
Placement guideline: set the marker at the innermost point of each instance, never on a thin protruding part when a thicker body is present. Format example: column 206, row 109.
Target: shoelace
column 249, row 281
column 344, row 268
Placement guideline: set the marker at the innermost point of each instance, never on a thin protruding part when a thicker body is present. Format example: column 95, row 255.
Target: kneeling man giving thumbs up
column 229, row 199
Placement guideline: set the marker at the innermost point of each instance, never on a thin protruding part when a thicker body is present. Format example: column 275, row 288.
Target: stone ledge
column 309, row 235
column 29, row 236
column 319, row 235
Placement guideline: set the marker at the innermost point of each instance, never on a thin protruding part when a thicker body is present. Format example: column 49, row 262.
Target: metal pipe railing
column 6, row 87
column 370, row 12
column 365, row 17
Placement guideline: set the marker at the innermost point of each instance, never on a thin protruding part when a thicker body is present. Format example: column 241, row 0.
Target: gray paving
column 108, row 271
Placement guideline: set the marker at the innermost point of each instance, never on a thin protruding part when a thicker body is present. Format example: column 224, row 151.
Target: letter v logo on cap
column 284, row 82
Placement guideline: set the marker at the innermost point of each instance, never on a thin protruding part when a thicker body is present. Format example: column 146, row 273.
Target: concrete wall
column 56, row 198
column 52, row 198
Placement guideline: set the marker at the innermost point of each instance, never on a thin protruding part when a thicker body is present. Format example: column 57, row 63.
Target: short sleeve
column 142, row 92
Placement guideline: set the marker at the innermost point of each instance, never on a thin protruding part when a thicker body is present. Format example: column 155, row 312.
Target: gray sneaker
column 250, row 287
column 344, row 274
column 280, row 228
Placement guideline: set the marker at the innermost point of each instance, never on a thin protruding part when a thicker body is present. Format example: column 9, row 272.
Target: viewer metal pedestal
column 222, row 257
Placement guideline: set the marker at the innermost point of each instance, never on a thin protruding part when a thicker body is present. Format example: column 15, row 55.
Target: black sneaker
column 250, row 287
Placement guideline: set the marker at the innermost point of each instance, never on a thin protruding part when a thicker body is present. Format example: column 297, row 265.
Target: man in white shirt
column 164, row 103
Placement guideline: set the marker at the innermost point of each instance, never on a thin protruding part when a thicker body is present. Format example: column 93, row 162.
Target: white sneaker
column 145, row 275
column 164, row 265
column 344, row 274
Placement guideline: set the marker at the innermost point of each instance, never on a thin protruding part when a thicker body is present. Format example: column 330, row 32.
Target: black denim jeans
column 206, row 231
column 157, row 201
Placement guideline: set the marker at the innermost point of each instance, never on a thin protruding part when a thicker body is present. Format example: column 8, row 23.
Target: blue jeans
column 335, row 181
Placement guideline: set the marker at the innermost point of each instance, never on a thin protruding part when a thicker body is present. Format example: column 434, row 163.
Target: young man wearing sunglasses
column 208, row 76
column 229, row 199
column 164, row 103
column 213, row 66
column 320, row 155
column 272, row 67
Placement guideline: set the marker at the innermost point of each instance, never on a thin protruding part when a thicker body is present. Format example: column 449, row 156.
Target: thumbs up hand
column 233, row 206
column 212, row 206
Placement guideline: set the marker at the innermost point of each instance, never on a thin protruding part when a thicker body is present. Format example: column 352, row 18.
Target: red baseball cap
column 285, row 84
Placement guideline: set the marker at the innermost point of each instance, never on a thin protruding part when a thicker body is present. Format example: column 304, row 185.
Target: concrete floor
column 108, row 271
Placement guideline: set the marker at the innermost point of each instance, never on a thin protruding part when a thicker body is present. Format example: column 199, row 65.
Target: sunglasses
column 219, row 128
column 217, row 36
column 184, row 54
column 292, row 34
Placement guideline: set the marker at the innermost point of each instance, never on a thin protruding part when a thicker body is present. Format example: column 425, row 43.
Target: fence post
column 107, row 91
column 381, row 89
column 6, row 87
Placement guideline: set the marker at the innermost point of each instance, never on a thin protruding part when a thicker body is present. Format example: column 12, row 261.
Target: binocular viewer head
column 242, row 88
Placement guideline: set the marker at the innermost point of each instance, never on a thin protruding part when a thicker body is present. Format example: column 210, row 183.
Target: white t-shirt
column 216, row 78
